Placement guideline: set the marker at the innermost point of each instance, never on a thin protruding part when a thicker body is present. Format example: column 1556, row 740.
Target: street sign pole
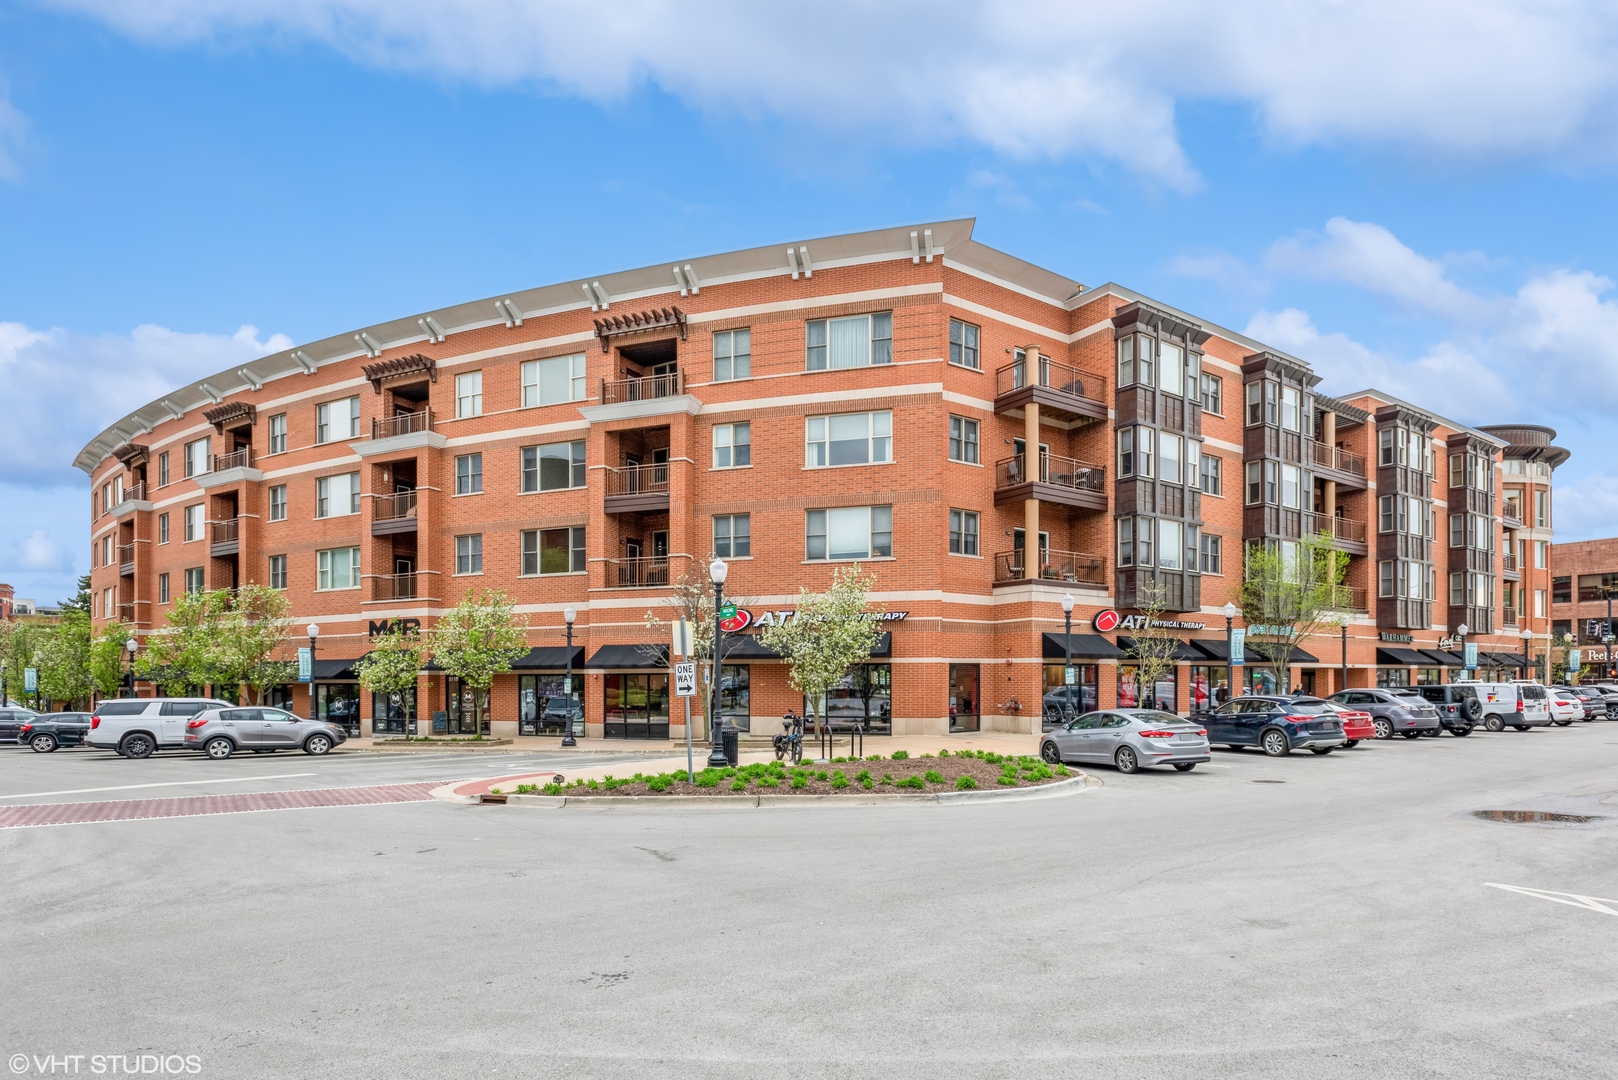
column 682, row 649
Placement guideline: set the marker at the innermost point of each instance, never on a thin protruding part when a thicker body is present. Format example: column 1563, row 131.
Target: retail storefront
column 466, row 709
column 965, row 698
column 394, row 713
column 544, row 698
column 337, row 694
column 635, row 691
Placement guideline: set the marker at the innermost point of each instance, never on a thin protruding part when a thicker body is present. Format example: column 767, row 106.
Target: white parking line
column 172, row 783
column 1591, row 903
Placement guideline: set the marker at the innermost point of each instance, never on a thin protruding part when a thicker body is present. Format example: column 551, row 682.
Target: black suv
column 1459, row 709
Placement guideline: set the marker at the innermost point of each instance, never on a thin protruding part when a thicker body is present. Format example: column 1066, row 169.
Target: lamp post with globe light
column 1230, row 665
column 313, row 630
column 1460, row 633
column 1527, row 646
column 568, row 615
column 717, row 570
column 131, row 645
column 1067, row 651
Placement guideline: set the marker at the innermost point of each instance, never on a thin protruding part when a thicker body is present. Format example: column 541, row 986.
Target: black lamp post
column 716, row 757
column 568, row 615
column 1342, row 622
column 313, row 630
column 131, row 645
column 1527, row 647
column 1230, row 665
column 1608, row 590
column 1067, row 652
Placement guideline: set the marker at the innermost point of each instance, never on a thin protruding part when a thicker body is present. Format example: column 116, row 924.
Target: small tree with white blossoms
column 392, row 664
column 831, row 632
column 477, row 639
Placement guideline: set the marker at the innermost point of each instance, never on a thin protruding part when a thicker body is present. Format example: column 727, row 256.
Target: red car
column 1356, row 725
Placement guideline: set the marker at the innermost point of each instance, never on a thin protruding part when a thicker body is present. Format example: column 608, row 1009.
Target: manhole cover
column 1532, row 816
column 1269, row 781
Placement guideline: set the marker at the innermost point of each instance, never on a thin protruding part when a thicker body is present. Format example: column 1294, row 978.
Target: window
column 337, row 420
column 852, row 341
column 1135, row 541
column 1208, row 480
column 1213, row 390
column 1135, row 361
column 278, row 502
column 468, row 474
column 1384, row 447
column 849, row 532
column 1208, row 555
column 1291, row 408
column 197, row 461
column 1539, row 603
column 553, row 467
column 1561, row 590
column 1170, row 543
column 1457, row 530
column 1135, row 451
column 963, row 344
column 554, row 381
column 108, row 603
column 1541, row 554
column 163, row 468
column 278, row 572
column 732, row 446
column 193, row 523
column 963, row 440
column 1171, row 368
column 1542, row 509
column 1291, row 486
column 963, row 532
column 337, row 495
column 733, row 536
column 162, row 588
column 849, row 439
column 1261, row 408
column 1169, row 448
column 337, row 568
column 162, row 528
column 553, row 551
column 193, row 580
column 106, row 550
column 469, row 554
column 1384, row 579
column 469, row 394
column 1255, row 483
column 278, row 434
column 1457, row 590
column 732, row 354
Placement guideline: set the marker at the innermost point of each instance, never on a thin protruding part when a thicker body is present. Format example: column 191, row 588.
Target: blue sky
column 187, row 183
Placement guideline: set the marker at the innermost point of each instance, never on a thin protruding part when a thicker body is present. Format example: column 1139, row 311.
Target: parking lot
column 1334, row 916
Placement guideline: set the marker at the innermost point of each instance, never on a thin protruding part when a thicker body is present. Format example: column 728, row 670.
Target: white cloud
column 38, row 551
column 1030, row 78
column 1219, row 267
column 1371, row 257
column 1586, row 506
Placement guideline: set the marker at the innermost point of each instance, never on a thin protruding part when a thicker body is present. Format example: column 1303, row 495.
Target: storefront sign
column 1446, row 643
column 1471, row 657
column 377, row 627
column 306, row 665
column 736, row 621
column 1405, row 638
column 1140, row 622
column 1106, row 621
column 1238, row 648
column 781, row 618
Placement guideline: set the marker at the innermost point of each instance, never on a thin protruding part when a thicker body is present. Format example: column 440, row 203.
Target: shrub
column 638, row 777
column 659, row 783
column 593, row 786
column 943, row 753
column 838, row 760
column 900, row 755
column 866, row 783
column 709, row 778
column 873, row 757
column 1061, row 770
column 527, row 789
column 926, row 755
column 739, row 785
column 1010, row 780
column 768, row 781
column 887, row 778
column 839, row 780
column 934, row 776
column 965, row 783
column 799, row 783
column 864, row 777
column 553, row 789
column 912, row 782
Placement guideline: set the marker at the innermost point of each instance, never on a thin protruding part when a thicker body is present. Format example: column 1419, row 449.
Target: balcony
column 1066, row 566
column 644, row 388
column 394, row 513
column 126, row 560
column 1059, row 389
column 1349, row 466
column 1063, row 480
column 402, row 424
column 401, row 432
column 1510, row 569
column 224, row 538
column 1511, row 516
column 1346, row 533
column 1508, row 616
column 393, row 587
column 230, row 469
column 126, row 613
column 638, row 489
column 1346, row 599
column 240, row 459
column 130, row 499
column 649, row 572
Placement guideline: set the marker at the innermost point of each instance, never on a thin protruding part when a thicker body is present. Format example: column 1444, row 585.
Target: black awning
column 546, row 657
column 1260, row 650
column 1183, row 653
column 1503, row 659
column 1402, row 658
column 1446, row 659
column 1085, row 647
column 884, row 644
column 630, row 656
column 747, row 647
column 1216, row 649
column 329, row 670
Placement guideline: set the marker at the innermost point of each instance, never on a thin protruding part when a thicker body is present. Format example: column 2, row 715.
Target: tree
column 393, row 663
column 1290, row 591
column 478, row 639
column 182, row 656
column 1556, row 659
column 1153, row 648
column 691, row 598
column 831, row 632
column 104, row 657
column 17, row 642
column 251, row 625
column 83, row 600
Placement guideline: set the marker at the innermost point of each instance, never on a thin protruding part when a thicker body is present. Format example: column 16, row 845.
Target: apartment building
column 983, row 435
column 1584, row 586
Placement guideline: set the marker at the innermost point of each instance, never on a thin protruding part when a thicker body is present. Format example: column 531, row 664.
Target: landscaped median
column 901, row 778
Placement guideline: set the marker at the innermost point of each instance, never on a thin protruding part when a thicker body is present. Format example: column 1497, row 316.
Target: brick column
column 1031, row 470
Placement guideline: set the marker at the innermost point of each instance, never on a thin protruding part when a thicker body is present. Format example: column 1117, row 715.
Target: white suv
column 138, row 727
column 1521, row 705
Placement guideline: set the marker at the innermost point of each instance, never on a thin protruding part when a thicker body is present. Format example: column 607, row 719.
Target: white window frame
column 195, row 580
column 965, row 440
column 965, row 531
column 846, row 517
column 468, row 394
column 162, row 588
column 194, row 466
column 734, row 350
column 733, row 445
column 965, row 344
column 818, row 441
column 195, row 526
column 729, row 543
column 468, row 554
column 278, row 568
column 327, row 561
column 531, row 460
column 532, row 554
column 824, row 335
column 538, row 374
column 325, row 498
column 472, row 473
column 278, row 502
column 278, row 433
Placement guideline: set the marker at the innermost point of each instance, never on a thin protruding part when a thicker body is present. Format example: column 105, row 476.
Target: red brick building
column 1583, row 590
column 869, row 397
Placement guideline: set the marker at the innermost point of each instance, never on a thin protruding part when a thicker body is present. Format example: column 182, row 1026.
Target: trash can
column 730, row 739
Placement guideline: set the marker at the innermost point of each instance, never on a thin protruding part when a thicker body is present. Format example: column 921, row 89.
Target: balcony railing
column 1053, row 566
column 220, row 532
column 1508, row 562
column 639, row 479
column 1053, row 469
column 403, row 424
column 1327, row 456
column 126, row 554
column 1511, row 516
column 401, row 504
column 1508, row 616
column 126, row 612
column 137, row 493
column 1341, row 528
column 647, row 572
column 393, row 587
column 1053, row 374
column 240, row 459
column 645, row 388
column 1344, row 598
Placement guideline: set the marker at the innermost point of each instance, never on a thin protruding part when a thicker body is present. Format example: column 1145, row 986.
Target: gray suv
column 1393, row 713
column 219, row 733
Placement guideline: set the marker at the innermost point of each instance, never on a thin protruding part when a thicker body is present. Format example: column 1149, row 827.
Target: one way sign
column 685, row 679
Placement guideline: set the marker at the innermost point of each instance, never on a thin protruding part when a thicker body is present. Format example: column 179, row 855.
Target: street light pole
column 1342, row 679
column 1067, row 653
column 716, row 757
column 1527, row 645
column 1230, row 666
column 568, row 615
column 313, row 630
column 1460, row 632
column 1608, row 591
column 131, row 645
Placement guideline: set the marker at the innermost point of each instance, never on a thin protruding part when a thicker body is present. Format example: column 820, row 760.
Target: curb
column 1073, row 785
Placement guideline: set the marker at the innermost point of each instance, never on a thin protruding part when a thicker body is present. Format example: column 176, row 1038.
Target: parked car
column 1593, row 701
column 1609, row 691
column 45, row 733
column 1565, row 706
column 1357, row 725
column 11, row 721
column 1393, row 714
column 1521, row 705
column 1459, row 709
column 1129, row 739
column 219, row 733
column 139, row 727
column 1277, row 725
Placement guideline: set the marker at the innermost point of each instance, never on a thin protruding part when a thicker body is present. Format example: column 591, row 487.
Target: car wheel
column 137, row 746
column 43, row 744
column 219, row 748
column 317, row 745
column 1351, row 744
column 1323, row 750
column 1185, row 766
column 1384, row 728
column 1275, row 743
column 1126, row 760
column 1050, row 753
column 1461, row 732
column 1494, row 723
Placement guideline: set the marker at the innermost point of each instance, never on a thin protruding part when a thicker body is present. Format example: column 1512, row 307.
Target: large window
column 337, row 495
column 337, row 568
column 469, row 474
column 469, row 394
column 553, row 551
column 849, row 439
column 1135, row 361
column 278, row 502
column 193, row 523
column 1135, row 451
column 1135, row 536
column 544, row 702
column 1213, row 391
column 863, row 696
column 278, row 434
column 963, row 532
column 553, row 467
column 733, row 536
column 1208, row 555
column 1208, row 479
column 851, row 341
column 1170, row 544
column 1261, row 403
column 1171, row 368
column 1291, row 486
column 732, row 445
column 735, row 695
column 963, row 344
column 278, row 571
column 636, row 706
column 849, row 532
column 1170, row 449
column 469, row 554
column 337, row 420
column 194, row 580
column 1291, row 408
column 963, row 440
column 554, row 381
column 732, row 354
column 197, row 461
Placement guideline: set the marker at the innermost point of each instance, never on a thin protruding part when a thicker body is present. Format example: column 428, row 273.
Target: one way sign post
column 685, row 679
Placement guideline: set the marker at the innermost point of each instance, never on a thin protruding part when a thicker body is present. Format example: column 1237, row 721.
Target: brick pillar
column 1031, row 470
column 685, row 538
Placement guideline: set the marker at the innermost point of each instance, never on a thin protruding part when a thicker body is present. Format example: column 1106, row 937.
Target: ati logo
column 378, row 627
column 736, row 622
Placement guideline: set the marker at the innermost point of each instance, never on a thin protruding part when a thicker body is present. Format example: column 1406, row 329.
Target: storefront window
column 467, row 709
column 394, row 713
column 963, row 697
column 542, row 704
column 1131, row 695
column 863, row 696
column 1260, row 680
column 1210, row 687
column 735, row 695
column 279, row 697
column 1392, row 676
column 339, row 703
column 1060, row 701
column 1429, row 676
column 637, row 706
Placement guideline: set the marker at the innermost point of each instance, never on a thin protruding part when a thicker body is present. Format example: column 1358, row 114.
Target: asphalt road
column 1337, row 924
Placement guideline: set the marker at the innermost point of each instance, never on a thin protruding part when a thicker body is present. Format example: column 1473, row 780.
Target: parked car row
column 140, row 727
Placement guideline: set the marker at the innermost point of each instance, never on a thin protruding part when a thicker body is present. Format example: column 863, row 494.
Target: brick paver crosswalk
column 80, row 813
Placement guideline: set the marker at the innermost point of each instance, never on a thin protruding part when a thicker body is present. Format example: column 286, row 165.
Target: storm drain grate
column 1535, row 816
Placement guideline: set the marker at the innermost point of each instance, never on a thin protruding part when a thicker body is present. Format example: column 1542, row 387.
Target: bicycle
column 790, row 742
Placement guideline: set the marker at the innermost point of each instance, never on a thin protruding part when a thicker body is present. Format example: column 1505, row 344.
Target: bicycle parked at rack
column 789, row 744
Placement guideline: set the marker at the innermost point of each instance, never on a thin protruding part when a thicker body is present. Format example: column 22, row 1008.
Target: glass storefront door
column 543, row 704
column 637, row 706
column 395, row 713
column 1210, row 687
column 339, row 703
column 964, row 703
column 468, row 708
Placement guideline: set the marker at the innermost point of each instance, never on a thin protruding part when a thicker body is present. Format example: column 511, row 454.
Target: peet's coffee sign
column 379, row 627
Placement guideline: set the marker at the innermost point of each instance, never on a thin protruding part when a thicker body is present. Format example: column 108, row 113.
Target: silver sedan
column 1129, row 739
column 219, row 733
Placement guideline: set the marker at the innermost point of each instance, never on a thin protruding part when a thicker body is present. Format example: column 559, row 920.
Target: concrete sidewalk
column 997, row 741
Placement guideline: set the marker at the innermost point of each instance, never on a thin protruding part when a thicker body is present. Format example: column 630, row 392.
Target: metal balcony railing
column 401, row 504
column 638, row 479
column 1053, row 566
column 1053, row 469
column 240, row 459
column 403, row 424
column 126, row 553
column 220, row 532
column 1341, row 528
column 1508, row 616
column 1508, row 561
column 644, row 388
column 1063, row 378
column 393, row 587
column 135, row 493
column 647, row 572
column 1327, row 456
column 1346, row 599
column 1511, row 515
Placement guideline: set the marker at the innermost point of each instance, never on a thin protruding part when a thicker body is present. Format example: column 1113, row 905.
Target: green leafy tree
column 182, row 657
column 1288, row 594
column 831, row 632
column 477, row 639
column 83, row 601
column 17, row 645
column 104, row 659
column 393, row 663
column 251, row 625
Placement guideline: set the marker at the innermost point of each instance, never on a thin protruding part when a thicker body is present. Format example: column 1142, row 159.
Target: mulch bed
column 887, row 776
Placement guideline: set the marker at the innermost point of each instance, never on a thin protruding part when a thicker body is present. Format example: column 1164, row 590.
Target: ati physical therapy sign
column 740, row 618
column 1109, row 620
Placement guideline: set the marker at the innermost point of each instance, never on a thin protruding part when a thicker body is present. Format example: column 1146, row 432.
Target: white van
column 138, row 727
column 1521, row 705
